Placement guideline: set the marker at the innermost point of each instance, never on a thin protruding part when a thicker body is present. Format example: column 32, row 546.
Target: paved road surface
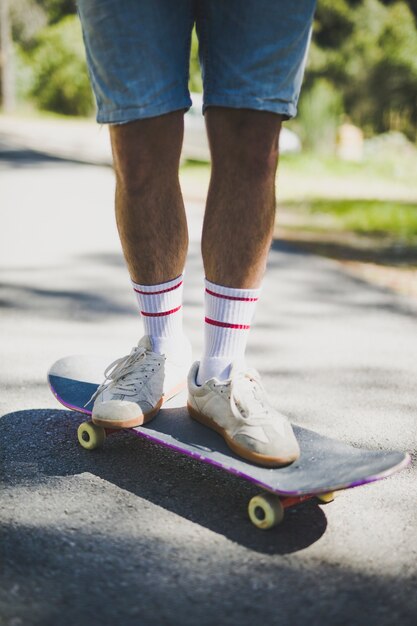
column 133, row 534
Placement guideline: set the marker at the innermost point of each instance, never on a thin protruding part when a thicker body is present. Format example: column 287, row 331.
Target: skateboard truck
column 266, row 510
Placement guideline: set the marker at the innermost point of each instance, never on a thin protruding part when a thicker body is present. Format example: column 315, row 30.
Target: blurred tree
column 392, row 82
column 60, row 81
column 334, row 22
column 7, row 77
column 412, row 4
column 367, row 49
column 320, row 114
column 195, row 82
column 28, row 18
column 57, row 9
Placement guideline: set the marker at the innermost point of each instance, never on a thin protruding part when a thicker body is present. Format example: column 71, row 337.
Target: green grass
column 26, row 110
column 392, row 166
column 393, row 219
column 376, row 198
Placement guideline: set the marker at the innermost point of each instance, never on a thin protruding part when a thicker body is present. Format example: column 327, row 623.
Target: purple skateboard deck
column 325, row 465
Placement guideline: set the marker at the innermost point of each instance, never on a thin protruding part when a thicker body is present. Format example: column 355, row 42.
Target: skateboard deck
column 325, row 465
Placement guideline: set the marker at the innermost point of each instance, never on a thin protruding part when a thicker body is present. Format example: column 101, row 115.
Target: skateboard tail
column 171, row 393
column 298, row 492
column 67, row 404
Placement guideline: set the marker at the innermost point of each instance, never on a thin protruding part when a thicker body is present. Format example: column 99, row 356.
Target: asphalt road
column 133, row 533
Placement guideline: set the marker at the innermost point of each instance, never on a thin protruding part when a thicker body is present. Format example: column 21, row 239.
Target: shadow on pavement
column 348, row 293
column 69, row 577
column 62, row 303
column 192, row 490
column 83, row 543
column 14, row 156
column 343, row 293
column 390, row 255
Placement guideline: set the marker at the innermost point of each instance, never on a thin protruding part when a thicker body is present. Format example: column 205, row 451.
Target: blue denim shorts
column 252, row 54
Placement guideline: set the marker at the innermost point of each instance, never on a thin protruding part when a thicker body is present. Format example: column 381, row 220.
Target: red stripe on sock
column 161, row 314
column 226, row 325
column 221, row 295
column 156, row 293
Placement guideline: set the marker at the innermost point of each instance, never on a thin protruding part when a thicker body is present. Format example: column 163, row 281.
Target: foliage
column 59, row 69
column 24, row 77
column 371, row 217
column 28, row 19
column 320, row 114
column 57, row 9
column 195, row 82
column 368, row 50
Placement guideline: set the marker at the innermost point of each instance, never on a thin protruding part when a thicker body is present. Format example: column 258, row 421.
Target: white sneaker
column 137, row 385
column 239, row 410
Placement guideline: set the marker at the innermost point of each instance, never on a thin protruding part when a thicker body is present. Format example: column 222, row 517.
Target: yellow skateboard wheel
column 265, row 511
column 326, row 497
column 91, row 436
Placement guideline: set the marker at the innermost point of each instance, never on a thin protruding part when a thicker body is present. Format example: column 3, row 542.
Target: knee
column 247, row 140
column 134, row 174
column 146, row 152
column 257, row 158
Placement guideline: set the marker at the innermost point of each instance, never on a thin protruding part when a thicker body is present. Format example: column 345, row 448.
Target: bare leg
column 153, row 231
column 149, row 207
column 237, row 233
column 240, row 210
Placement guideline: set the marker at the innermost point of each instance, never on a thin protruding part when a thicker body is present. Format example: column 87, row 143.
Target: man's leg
column 149, row 206
column 138, row 58
column 151, row 221
column 240, row 212
column 238, row 227
column 252, row 55
column 153, row 232
column 237, row 230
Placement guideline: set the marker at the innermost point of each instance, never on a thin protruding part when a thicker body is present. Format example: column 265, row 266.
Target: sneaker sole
column 253, row 457
column 142, row 418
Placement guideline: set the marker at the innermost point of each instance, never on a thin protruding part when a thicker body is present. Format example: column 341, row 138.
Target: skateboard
column 325, row 466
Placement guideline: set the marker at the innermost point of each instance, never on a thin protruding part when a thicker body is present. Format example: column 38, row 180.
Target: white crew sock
column 161, row 311
column 229, row 314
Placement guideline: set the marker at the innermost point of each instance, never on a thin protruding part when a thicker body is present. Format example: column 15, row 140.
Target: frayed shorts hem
column 131, row 114
column 123, row 116
column 286, row 109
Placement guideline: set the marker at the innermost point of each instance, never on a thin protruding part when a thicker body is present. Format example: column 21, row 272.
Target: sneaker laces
column 124, row 373
column 248, row 396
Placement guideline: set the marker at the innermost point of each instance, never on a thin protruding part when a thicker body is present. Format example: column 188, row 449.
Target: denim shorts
column 252, row 54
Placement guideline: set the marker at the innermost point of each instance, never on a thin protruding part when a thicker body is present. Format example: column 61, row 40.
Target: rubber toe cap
column 120, row 410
